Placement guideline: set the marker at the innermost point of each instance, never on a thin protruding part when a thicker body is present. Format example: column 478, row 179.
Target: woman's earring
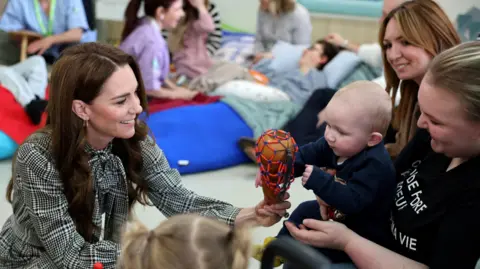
column 85, row 123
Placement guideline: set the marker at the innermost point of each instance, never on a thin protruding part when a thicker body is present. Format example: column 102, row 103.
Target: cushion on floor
column 7, row 146
column 204, row 135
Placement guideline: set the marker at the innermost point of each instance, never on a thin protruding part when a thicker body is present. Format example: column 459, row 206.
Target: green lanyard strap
column 38, row 13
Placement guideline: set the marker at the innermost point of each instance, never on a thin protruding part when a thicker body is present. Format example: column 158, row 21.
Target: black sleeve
column 418, row 145
column 457, row 242
column 361, row 188
column 313, row 153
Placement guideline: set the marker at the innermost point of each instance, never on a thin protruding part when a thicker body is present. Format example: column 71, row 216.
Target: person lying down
column 294, row 84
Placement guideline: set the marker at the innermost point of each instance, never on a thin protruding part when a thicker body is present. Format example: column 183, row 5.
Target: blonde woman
column 187, row 242
column 435, row 216
column 411, row 35
column 281, row 20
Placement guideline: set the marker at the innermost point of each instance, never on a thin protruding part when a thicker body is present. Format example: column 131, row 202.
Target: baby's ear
column 374, row 139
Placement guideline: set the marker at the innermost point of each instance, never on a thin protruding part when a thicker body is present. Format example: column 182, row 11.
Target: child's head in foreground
column 186, row 242
column 357, row 117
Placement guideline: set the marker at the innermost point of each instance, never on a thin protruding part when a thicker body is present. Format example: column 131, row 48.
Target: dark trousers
column 303, row 126
column 311, row 210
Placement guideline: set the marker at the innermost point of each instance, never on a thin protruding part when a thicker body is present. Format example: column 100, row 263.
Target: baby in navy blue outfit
column 349, row 170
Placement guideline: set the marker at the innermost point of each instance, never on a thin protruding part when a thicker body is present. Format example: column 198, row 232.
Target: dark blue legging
column 303, row 126
column 311, row 210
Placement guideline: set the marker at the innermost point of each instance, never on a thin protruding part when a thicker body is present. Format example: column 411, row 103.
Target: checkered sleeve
column 169, row 195
column 47, row 207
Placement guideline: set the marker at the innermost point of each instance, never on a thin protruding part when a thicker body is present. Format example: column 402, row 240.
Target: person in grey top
column 302, row 80
column 75, row 181
column 283, row 20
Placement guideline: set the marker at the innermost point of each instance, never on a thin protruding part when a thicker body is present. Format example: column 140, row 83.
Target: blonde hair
column 281, row 6
column 186, row 242
column 458, row 71
column 423, row 24
column 372, row 100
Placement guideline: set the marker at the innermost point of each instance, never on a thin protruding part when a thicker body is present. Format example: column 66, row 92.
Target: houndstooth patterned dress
column 41, row 233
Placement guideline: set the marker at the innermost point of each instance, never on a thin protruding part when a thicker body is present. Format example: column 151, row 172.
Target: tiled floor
column 234, row 185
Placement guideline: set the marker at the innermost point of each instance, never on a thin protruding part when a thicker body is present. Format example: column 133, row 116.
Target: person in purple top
column 142, row 38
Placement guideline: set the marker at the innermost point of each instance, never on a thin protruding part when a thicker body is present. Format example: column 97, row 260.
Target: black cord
column 296, row 253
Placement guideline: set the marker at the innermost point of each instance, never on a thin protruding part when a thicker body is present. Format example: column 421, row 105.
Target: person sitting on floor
column 27, row 82
column 191, row 40
column 280, row 20
column 142, row 39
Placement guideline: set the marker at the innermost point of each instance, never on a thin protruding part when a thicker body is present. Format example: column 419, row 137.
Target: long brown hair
column 191, row 12
column 423, row 24
column 187, row 242
column 150, row 8
column 176, row 36
column 79, row 74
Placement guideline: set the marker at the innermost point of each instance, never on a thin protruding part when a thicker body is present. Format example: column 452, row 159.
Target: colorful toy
column 275, row 152
column 98, row 265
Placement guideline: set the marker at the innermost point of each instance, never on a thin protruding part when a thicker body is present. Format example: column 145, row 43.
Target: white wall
column 455, row 7
column 111, row 9
column 241, row 14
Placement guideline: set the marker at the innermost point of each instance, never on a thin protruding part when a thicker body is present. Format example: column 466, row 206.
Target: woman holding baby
column 437, row 164
column 437, row 177
column 407, row 50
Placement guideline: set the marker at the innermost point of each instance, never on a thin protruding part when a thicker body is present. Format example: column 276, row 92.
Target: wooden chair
column 24, row 38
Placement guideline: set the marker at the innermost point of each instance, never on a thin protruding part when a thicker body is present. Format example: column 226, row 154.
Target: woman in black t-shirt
column 436, row 212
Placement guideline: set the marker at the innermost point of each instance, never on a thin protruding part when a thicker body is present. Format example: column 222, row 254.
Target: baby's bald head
column 367, row 101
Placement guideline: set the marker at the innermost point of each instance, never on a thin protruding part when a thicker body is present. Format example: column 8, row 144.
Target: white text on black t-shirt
column 412, row 184
column 406, row 241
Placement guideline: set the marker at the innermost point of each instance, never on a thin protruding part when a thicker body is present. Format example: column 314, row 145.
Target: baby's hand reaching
column 307, row 173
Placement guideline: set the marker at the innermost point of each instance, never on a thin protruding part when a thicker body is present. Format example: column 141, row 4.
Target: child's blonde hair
column 372, row 99
column 186, row 242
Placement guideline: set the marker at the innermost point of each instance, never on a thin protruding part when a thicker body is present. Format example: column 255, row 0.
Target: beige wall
column 109, row 31
column 2, row 6
column 357, row 30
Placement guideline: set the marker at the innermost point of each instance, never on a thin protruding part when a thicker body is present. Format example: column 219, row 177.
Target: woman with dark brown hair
column 142, row 38
column 93, row 159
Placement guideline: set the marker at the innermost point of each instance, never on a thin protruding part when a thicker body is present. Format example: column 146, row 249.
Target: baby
column 348, row 169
